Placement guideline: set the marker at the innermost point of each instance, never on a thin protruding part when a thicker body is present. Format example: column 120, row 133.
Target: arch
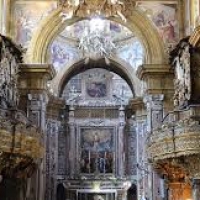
column 137, row 23
column 195, row 37
column 124, row 70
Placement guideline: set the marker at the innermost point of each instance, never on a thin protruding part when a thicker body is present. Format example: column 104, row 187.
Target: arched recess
column 123, row 71
column 137, row 23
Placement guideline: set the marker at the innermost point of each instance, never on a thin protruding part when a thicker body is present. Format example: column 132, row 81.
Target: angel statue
column 70, row 8
column 115, row 8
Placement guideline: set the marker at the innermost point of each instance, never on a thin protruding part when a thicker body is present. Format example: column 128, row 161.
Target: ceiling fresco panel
column 164, row 15
column 26, row 16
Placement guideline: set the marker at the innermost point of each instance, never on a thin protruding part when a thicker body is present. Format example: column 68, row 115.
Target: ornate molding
column 153, row 69
column 173, row 140
column 52, row 25
column 157, row 78
column 106, row 8
column 180, row 60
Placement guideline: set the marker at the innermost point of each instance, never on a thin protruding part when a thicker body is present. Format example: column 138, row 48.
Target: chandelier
column 96, row 42
column 106, row 8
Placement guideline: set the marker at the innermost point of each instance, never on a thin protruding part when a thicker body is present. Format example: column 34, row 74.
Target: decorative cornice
column 52, row 26
column 37, row 68
column 153, row 69
column 88, row 8
column 136, row 103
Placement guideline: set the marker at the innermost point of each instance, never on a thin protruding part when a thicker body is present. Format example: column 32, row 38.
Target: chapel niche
column 97, row 98
column 96, row 153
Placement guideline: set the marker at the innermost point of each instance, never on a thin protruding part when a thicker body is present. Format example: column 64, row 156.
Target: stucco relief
column 182, row 82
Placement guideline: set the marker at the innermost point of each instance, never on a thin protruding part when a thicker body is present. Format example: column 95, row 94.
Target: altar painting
column 96, row 89
column 97, row 150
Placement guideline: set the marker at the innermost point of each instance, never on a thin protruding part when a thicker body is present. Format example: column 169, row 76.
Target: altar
column 97, row 189
column 106, row 194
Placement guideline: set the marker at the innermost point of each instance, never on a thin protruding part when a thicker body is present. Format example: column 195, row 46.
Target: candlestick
column 89, row 159
column 104, row 162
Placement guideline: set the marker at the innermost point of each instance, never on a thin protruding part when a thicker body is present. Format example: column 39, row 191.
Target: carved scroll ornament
column 180, row 59
column 106, row 8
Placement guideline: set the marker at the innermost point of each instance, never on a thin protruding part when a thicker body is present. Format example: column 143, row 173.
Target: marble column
column 131, row 148
column 33, row 99
column 196, row 189
column 120, row 149
column 51, row 158
column 136, row 124
column 154, row 105
column 63, row 149
column 72, row 144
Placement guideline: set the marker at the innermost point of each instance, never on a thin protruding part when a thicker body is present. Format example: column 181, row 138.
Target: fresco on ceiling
column 65, row 48
column 61, row 54
column 108, row 27
column 132, row 54
column 121, row 90
column 27, row 15
column 164, row 17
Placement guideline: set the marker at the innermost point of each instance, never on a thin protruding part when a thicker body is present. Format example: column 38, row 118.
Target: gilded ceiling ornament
column 84, row 8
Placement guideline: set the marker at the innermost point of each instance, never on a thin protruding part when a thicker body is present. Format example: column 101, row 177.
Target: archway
column 52, row 25
column 122, row 69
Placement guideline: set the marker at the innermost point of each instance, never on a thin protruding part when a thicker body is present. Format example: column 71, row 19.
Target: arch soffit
column 137, row 22
column 123, row 69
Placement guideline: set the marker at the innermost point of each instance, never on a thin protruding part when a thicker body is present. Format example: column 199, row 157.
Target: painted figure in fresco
column 23, row 28
column 59, row 56
column 160, row 18
column 169, row 32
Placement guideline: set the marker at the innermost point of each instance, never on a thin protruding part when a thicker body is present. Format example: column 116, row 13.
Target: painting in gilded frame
column 97, row 150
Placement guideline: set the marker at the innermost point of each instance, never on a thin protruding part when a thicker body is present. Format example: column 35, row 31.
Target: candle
column 104, row 162
column 89, row 159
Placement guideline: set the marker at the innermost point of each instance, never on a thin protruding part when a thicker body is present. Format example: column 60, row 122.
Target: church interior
column 99, row 100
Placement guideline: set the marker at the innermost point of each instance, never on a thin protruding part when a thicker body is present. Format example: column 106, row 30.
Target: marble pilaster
column 33, row 99
column 196, row 189
column 72, row 144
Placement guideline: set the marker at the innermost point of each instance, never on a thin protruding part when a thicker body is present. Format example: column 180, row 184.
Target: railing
column 174, row 139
